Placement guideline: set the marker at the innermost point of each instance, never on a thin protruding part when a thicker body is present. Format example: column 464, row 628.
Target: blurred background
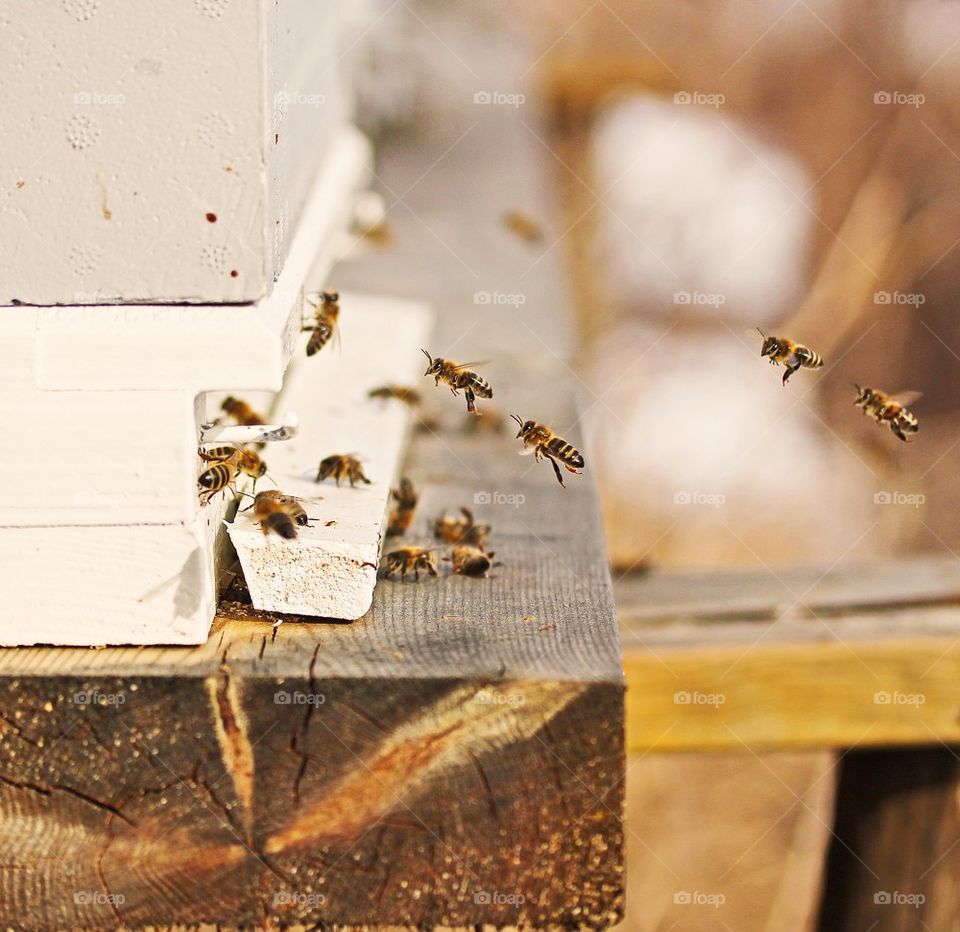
column 711, row 168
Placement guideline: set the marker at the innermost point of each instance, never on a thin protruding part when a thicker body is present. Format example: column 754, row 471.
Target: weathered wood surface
column 797, row 660
column 466, row 762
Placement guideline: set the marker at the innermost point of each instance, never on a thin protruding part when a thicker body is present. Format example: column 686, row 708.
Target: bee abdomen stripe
column 565, row 452
column 282, row 524
column 809, row 358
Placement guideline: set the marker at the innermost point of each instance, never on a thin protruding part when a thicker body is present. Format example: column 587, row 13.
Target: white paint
column 122, row 133
column 331, row 571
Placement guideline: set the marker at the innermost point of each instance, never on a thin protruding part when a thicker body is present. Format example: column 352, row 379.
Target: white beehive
column 127, row 312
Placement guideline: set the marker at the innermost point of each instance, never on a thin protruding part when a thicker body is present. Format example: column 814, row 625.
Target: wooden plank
column 834, row 693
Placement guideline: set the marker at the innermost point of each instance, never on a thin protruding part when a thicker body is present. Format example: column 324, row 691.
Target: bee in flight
column 341, row 466
column 324, row 324
column 227, row 464
column 468, row 560
column 412, row 559
column 883, row 407
column 458, row 377
column 784, row 352
column 541, row 441
column 279, row 513
column 241, row 412
column 406, row 498
column 492, row 422
column 460, row 529
column 409, row 396
column 523, row 225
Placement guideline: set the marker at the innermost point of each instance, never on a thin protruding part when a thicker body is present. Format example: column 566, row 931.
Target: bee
column 523, row 225
column 409, row 396
column 460, row 529
column 883, row 407
column 341, row 466
column 224, row 471
column 540, row 440
column 241, row 412
column 401, row 516
column 458, row 377
column 412, row 559
column 781, row 351
column 468, row 560
column 492, row 422
column 279, row 513
column 324, row 324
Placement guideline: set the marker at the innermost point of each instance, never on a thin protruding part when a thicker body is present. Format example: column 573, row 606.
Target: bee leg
column 432, row 570
column 471, row 399
column 556, row 469
column 895, row 427
column 789, row 372
column 416, row 573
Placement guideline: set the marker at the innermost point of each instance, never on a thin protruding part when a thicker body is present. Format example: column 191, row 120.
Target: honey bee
column 341, row 466
column 406, row 498
column 523, row 225
column 279, row 513
column 458, row 377
column 409, row 396
column 883, row 407
column 492, row 422
column 781, row 351
column 412, row 559
column 460, row 529
column 540, row 440
column 468, row 560
column 241, row 412
column 324, row 324
column 227, row 464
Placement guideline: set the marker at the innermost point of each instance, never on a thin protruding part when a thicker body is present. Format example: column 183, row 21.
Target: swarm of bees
column 324, row 324
column 883, row 408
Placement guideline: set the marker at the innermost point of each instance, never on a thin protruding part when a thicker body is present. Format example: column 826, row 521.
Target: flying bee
column 324, row 324
column 460, row 529
column 223, row 472
column 468, row 560
column 409, row 396
column 523, row 225
column 540, row 440
column 241, row 412
column 883, row 407
column 458, row 377
column 279, row 513
column 412, row 559
column 406, row 498
column 492, row 422
column 784, row 352
column 341, row 466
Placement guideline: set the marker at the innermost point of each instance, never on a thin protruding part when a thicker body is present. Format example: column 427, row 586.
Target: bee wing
column 906, row 398
column 467, row 365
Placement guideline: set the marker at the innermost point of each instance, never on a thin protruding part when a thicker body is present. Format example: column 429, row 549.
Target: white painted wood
column 103, row 400
column 126, row 125
column 331, row 571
